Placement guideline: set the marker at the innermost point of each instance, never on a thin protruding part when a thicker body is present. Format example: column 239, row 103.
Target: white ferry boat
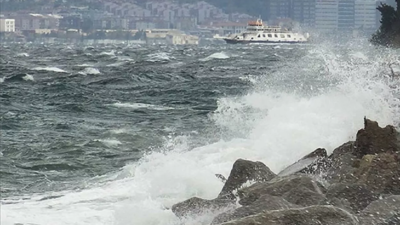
column 258, row 33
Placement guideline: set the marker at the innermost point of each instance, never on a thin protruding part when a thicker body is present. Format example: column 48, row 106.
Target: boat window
column 288, row 36
column 263, row 35
column 276, row 35
column 259, row 36
column 269, row 35
column 282, row 36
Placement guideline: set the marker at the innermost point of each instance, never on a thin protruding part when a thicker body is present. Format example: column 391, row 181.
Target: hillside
column 253, row 7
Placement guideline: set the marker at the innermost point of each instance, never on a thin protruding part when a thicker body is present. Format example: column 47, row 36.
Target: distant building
column 366, row 16
column 7, row 25
column 278, row 9
column 326, row 15
column 303, row 11
column 346, row 10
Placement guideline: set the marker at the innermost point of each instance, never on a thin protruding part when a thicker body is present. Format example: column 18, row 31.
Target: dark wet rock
column 358, row 196
column 197, row 206
column 303, row 196
column 380, row 172
column 341, row 164
column 374, row 139
column 313, row 215
column 393, row 220
column 265, row 202
column 221, row 177
column 337, row 202
column 383, row 211
column 309, row 164
column 242, row 172
column 278, row 187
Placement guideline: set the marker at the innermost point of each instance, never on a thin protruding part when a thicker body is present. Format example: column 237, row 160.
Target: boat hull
column 232, row 41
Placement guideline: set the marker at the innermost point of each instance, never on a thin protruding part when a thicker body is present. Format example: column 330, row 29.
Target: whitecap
column 141, row 106
column 159, row 56
column 50, row 68
column 109, row 142
column 90, row 71
column 23, row 54
column 85, row 65
column 28, row 77
column 217, row 55
column 110, row 53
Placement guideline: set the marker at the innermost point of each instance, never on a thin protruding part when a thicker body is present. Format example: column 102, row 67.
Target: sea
column 117, row 133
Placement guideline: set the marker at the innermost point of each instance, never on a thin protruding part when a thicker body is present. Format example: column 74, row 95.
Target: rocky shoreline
column 358, row 184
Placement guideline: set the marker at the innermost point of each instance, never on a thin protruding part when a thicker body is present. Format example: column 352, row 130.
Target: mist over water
column 155, row 130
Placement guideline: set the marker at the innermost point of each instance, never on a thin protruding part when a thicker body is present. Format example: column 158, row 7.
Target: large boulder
column 358, row 196
column 341, row 164
column 303, row 196
column 265, row 202
column 244, row 171
column 380, row 172
column 280, row 186
column 310, row 164
column 374, row 139
column 313, row 215
column 383, row 212
column 198, row 206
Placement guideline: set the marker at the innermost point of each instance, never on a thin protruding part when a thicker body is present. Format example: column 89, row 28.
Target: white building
column 7, row 25
column 326, row 15
column 366, row 14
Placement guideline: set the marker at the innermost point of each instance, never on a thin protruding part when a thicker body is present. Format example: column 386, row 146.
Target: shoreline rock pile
column 359, row 183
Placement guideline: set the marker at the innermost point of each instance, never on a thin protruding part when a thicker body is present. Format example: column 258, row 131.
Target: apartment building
column 7, row 25
column 366, row 16
column 326, row 15
column 346, row 10
column 303, row 11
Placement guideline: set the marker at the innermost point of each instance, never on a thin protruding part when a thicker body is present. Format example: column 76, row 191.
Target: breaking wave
column 50, row 68
column 317, row 101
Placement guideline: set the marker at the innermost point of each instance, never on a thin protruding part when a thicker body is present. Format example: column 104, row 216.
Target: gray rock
column 382, row 211
column 242, row 172
column 374, row 139
column 197, row 206
column 303, row 196
column 380, row 172
column 265, row 202
column 309, row 164
column 278, row 187
column 313, row 215
column 357, row 195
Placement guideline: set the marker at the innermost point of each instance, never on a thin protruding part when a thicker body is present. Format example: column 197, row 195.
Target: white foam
column 217, row 55
column 23, row 54
column 28, row 77
column 2, row 79
column 109, row 142
column 90, row 71
column 140, row 106
column 159, row 56
column 110, row 53
column 50, row 68
column 268, row 124
column 85, row 65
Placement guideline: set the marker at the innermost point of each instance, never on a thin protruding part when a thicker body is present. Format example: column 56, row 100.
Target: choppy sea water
column 116, row 134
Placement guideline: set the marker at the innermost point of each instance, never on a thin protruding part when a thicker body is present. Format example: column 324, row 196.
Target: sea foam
column 283, row 118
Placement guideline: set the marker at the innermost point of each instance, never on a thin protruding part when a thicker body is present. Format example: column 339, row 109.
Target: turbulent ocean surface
column 117, row 134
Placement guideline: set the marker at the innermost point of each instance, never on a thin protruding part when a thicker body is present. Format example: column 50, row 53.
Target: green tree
column 389, row 31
